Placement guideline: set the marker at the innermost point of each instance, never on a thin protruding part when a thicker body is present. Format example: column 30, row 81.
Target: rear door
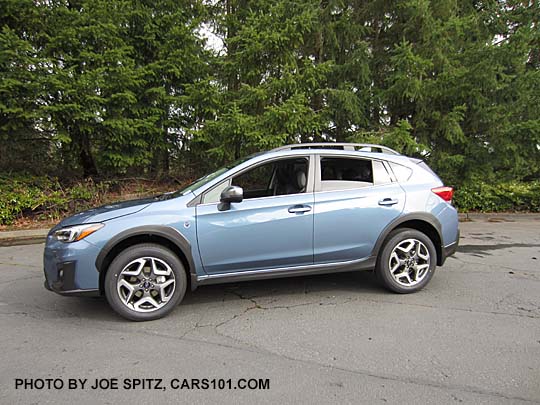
column 355, row 199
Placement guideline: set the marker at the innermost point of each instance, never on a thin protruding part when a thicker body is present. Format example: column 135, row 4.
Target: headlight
column 77, row 232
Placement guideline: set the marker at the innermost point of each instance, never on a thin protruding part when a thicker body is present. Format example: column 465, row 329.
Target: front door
column 271, row 228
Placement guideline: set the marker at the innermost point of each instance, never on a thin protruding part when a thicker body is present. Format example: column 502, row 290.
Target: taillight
column 445, row 192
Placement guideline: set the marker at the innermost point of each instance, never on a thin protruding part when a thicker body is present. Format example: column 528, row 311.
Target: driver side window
column 278, row 177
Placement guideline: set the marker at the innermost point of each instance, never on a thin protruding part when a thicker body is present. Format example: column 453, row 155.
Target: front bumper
column 77, row 293
column 69, row 268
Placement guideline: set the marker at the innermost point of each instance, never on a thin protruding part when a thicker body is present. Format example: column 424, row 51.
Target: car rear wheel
column 145, row 282
column 407, row 261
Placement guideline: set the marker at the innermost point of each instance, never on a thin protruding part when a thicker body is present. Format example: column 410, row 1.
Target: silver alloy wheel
column 409, row 262
column 146, row 284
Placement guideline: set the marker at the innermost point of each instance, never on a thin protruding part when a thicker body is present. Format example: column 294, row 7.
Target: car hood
column 106, row 212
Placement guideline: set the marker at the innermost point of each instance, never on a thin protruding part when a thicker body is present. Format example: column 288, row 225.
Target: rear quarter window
column 402, row 173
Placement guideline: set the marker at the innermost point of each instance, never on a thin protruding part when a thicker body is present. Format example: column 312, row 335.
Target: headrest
column 301, row 179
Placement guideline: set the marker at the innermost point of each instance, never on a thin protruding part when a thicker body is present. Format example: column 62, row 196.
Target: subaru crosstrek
column 295, row 210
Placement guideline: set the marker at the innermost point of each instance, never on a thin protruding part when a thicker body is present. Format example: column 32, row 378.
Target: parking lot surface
column 471, row 336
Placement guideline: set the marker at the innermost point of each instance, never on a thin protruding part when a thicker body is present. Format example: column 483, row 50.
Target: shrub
column 45, row 198
column 498, row 197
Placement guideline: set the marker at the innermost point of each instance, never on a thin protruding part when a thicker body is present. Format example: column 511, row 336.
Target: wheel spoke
column 416, row 248
column 161, row 289
column 422, row 255
column 396, row 260
column 406, row 249
column 157, row 272
column 147, row 300
column 404, row 273
column 130, row 287
column 137, row 271
column 419, row 271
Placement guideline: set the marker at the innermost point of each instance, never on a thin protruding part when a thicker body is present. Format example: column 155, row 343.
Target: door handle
column 299, row 209
column 388, row 201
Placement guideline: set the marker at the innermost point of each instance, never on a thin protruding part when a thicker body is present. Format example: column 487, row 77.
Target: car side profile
column 295, row 210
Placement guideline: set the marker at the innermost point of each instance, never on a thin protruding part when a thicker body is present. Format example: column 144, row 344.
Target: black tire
column 383, row 272
column 141, row 251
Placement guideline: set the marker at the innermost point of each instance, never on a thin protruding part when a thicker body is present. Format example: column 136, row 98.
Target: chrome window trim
column 258, row 198
column 352, row 189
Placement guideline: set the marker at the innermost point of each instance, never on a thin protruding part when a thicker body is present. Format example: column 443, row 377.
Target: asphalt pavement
column 471, row 336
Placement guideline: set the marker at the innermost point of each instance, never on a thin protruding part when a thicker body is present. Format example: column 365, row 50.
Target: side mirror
column 231, row 194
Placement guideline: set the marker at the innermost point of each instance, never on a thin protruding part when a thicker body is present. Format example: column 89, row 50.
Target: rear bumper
column 450, row 249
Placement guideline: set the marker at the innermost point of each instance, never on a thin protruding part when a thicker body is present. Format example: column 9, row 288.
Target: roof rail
column 364, row 147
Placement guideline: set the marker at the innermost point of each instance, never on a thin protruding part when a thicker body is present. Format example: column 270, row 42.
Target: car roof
column 331, row 152
column 364, row 147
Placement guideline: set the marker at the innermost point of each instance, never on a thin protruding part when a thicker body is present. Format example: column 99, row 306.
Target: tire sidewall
column 127, row 256
column 383, row 269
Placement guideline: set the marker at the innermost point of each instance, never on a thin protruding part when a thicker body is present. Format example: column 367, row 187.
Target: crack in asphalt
column 19, row 279
column 254, row 304
column 68, row 314
column 257, row 306
column 386, row 377
column 455, row 257
column 19, row 265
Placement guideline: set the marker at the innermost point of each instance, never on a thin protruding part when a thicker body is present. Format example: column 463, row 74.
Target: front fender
column 169, row 233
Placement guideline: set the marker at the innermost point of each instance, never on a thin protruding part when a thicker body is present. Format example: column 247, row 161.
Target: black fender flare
column 166, row 232
column 415, row 216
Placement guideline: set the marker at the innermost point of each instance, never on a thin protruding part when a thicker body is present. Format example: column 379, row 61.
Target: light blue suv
column 300, row 209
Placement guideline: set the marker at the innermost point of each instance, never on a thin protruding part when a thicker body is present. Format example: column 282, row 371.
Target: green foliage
column 399, row 138
column 24, row 194
column 45, row 198
column 493, row 197
column 122, row 88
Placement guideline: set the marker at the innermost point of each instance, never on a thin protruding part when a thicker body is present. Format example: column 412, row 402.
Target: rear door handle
column 299, row 209
column 388, row 201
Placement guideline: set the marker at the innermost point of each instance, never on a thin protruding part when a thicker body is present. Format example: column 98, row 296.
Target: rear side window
column 345, row 173
column 402, row 173
column 424, row 166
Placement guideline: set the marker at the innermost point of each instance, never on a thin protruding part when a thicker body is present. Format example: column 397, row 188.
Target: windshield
column 208, row 178
column 201, row 181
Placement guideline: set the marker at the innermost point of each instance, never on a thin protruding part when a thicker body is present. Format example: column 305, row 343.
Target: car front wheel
column 145, row 282
column 407, row 261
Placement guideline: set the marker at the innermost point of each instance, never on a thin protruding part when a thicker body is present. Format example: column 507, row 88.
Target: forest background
column 112, row 99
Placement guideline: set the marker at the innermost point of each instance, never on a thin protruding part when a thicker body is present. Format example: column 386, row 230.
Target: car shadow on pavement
column 326, row 284
column 297, row 288
column 486, row 248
